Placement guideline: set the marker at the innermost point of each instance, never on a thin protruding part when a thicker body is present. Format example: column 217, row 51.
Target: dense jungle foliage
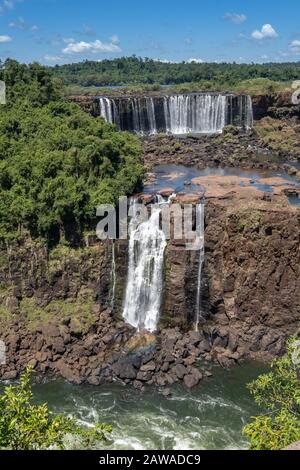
column 135, row 70
column 57, row 163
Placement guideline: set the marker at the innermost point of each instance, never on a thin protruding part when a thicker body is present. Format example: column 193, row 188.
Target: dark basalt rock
column 193, row 378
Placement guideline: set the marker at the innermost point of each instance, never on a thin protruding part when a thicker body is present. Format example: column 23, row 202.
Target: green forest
column 135, row 70
column 57, row 163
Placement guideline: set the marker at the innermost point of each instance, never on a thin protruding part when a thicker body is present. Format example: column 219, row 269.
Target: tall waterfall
column 200, row 234
column 195, row 113
column 145, row 271
column 249, row 113
column 178, row 114
column 106, row 109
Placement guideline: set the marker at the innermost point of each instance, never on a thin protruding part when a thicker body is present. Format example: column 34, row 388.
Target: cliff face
column 275, row 105
column 250, row 285
column 253, row 266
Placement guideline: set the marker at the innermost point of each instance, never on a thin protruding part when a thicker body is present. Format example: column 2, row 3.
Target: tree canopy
column 136, row 70
column 57, row 163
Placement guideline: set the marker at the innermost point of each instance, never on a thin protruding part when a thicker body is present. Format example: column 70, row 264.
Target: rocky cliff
column 55, row 305
column 275, row 105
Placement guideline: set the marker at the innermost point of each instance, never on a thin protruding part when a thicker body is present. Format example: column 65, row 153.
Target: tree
column 55, row 159
column 279, row 392
column 27, row 426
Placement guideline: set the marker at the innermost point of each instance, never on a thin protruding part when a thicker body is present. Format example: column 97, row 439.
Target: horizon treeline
column 136, row 70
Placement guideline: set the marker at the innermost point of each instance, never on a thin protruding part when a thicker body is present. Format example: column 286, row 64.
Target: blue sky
column 64, row 31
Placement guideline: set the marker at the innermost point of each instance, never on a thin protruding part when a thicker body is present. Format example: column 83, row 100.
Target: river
column 210, row 416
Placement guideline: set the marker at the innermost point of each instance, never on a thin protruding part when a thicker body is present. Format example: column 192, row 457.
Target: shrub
column 27, row 426
column 279, row 392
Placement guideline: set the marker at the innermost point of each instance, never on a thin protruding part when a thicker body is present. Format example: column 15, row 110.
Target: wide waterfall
column 195, row 113
column 145, row 270
column 200, row 236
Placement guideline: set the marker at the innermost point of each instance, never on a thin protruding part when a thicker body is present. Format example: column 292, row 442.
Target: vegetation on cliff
column 135, row 70
column 57, row 163
column 279, row 136
column 279, row 392
column 25, row 425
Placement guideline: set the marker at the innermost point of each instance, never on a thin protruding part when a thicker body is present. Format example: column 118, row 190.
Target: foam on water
column 209, row 417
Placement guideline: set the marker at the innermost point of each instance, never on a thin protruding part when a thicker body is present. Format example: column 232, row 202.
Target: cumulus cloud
column 82, row 47
column 294, row 49
column 267, row 32
column 5, row 38
column 237, row 18
column 193, row 60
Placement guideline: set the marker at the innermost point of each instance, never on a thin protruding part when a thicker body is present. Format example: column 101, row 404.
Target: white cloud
column 5, row 38
column 193, row 60
column 188, row 41
column 82, row 47
column 295, row 44
column 115, row 39
column 294, row 49
column 164, row 61
column 267, row 32
column 237, row 18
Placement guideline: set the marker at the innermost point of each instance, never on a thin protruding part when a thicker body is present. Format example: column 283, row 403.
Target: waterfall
column 113, row 274
column 200, row 233
column 249, row 113
column 145, row 271
column 106, row 109
column 203, row 113
column 151, row 116
column 198, row 113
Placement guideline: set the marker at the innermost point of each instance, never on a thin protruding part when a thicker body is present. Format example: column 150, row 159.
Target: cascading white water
column 203, row 113
column 249, row 113
column 206, row 113
column 145, row 271
column 106, row 109
column 151, row 115
column 200, row 235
